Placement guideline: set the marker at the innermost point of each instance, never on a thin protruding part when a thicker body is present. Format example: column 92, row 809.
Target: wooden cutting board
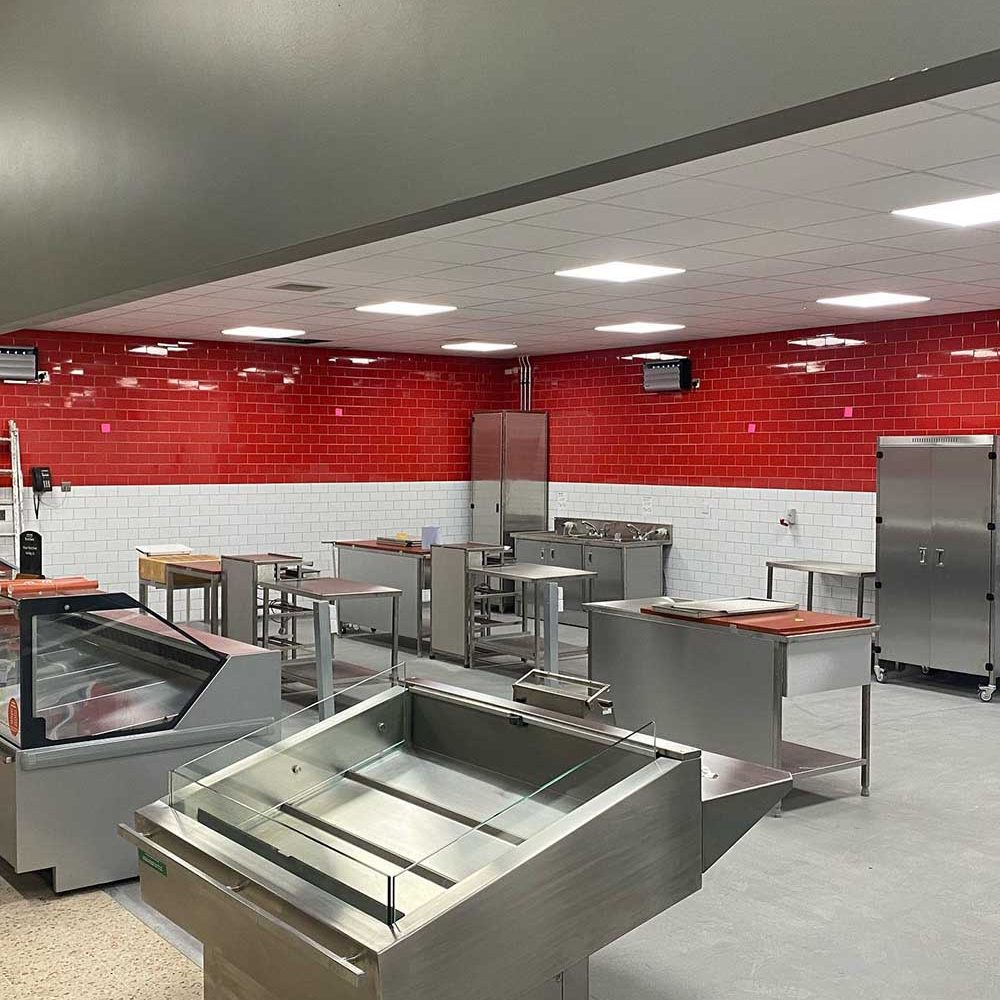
column 791, row 622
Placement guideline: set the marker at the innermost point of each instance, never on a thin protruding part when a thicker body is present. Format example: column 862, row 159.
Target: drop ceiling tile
column 867, row 124
column 880, row 226
column 516, row 236
column 977, row 97
column 768, row 267
column 965, row 272
column 803, row 172
column 605, row 248
column 984, row 171
column 935, row 241
column 693, row 232
column 986, row 253
column 788, row 213
column 451, row 252
column 951, row 139
column 916, row 263
column 991, row 112
column 598, row 219
column 701, row 258
column 900, row 191
column 692, row 197
column 759, row 286
column 775, row 244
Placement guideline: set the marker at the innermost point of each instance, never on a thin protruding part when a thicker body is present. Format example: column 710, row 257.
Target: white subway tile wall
column 94, row 530
column 723, row 537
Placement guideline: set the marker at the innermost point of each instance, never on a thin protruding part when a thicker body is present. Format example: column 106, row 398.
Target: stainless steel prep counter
column 722, row 687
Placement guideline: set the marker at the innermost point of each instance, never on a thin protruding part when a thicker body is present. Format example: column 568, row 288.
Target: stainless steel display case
column 936, row 554
column 433, row 844
column 99, row 699
column 510, row 474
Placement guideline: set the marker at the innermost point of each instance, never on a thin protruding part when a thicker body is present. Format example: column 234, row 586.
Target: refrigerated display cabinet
column 99, row 699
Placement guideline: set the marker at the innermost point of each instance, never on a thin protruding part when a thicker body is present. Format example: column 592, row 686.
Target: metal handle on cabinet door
column 590, row 557
column 922, row 550
column 940, row 557
column 342, row 967
column 552, row 553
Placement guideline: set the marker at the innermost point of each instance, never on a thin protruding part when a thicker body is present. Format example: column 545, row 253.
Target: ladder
column 14, row 522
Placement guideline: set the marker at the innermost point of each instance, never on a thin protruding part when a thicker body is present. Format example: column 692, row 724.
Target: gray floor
column 891, row 897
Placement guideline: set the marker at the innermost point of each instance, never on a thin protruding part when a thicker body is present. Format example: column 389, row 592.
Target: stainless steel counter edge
column 623, row 543
column 631, row 609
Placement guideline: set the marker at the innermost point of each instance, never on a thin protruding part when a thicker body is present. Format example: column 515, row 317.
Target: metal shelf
column 805, row 762
column 522, row 645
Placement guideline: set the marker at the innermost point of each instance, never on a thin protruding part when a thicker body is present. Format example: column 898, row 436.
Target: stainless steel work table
column 722, row 687
column 207, row 570
column 525, row 645
column 859, row 571
column 406, row 567
column 323, row 592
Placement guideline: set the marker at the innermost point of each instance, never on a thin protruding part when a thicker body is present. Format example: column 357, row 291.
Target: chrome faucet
column 594, row 531
column 636, row 531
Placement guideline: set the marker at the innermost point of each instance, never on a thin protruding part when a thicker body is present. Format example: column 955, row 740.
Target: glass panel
column 252, row 791
column 348, row 804
column 101, row 672
column 10, row 664
column 524, row 816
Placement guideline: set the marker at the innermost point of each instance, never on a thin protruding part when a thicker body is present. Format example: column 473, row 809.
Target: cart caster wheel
column 985, row 694
column 879, row 671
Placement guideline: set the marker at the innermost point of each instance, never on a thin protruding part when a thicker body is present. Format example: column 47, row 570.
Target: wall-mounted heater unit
column 19, row 364
column 667, row 376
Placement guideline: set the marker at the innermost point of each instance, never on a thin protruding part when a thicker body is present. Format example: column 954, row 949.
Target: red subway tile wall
column 235, row 413
column 755, row 424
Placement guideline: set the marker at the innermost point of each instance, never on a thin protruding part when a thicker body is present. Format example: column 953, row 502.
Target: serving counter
column 99, row 699
column 434, row 844
column 719, row 683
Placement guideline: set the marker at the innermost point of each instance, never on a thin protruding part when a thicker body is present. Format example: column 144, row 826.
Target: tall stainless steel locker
column 510, row 474
column 936, row 555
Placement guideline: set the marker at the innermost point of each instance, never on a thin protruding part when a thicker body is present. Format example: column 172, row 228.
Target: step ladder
column 11, row 523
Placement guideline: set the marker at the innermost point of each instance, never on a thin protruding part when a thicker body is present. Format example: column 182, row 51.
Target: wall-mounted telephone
column 41, row 479
column 41, row 482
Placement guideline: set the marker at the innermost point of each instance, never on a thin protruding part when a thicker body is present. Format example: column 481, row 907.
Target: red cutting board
column 790, row 622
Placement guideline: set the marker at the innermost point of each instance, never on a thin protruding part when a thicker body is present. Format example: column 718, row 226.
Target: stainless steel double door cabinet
column 935, row 551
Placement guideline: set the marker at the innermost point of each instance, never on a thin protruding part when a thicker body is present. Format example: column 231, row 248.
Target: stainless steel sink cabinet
column 434, row 844
column 936, row 555
column 626, row 568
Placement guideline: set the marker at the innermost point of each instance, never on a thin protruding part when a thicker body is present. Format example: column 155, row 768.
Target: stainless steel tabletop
column 598, row 540
column 267, row 558
column 329, row 588
column 532, row 572
column 828, row 568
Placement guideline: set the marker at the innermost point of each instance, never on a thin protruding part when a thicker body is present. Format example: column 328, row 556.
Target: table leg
column 324, row 658
column 266, row 597
column 770, row 582
column 395, row 631
column 538, row 619
column 866, row 737
column 170, row 595
column 861, row 597
column 470, row 617
column 809, row 592
column 144, row 594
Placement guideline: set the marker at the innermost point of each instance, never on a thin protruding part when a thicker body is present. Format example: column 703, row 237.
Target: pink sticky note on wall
column 751, row 428
column 105, row 428
column 848, row 411
column 338, row 412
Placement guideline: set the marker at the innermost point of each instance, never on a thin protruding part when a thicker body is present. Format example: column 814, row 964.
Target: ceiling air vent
column 298, row 286
column 291, row 340
column 667, row 376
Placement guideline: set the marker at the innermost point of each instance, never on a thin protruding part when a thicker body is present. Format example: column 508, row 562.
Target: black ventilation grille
column 297, row 286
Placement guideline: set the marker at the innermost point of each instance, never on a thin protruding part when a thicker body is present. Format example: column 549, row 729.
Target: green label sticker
column 154, row 863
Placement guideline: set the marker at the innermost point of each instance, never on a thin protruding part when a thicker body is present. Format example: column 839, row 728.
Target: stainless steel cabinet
column 510, row 474
column 935, row 552
column 609, row 564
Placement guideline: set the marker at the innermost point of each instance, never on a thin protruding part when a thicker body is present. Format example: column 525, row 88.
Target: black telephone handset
column 41, row 479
